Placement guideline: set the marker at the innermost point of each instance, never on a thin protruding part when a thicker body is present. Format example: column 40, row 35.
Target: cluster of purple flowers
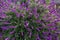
column 29, row 20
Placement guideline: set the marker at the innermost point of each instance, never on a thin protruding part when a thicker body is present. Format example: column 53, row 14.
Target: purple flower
column 6, row 22
column 36, row 16
column 53, row 28
column 7, row 38
column 18, row 14
column 51, row 24
column 37, row 37
column 12, row 32
column 38, row 21
column 48, row 38
column 3, row 15
column 35, row 10
column 4, row 28
column 37, row 29
column 21, row 15
column 42, row 1
column 26, row 24
column 4, row 6
column 12, row 26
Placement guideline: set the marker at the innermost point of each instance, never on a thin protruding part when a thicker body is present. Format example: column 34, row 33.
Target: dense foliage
column 29, row 20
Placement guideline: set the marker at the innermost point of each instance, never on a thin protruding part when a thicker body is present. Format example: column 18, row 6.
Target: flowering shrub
column 29, row 20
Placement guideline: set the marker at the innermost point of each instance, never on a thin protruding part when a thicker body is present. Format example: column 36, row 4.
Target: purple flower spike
column 6, row 22
column 4, row 28
column 18, row 14
column 38, row 21
column 37, row 29
column 12, row 32
column 51, row 24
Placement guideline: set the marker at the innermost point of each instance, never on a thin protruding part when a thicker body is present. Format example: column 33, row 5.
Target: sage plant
column 29, row 20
